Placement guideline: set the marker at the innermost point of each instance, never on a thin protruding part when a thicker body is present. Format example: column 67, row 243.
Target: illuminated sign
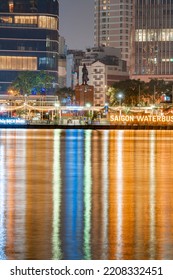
column 151, row 118
column 12, row 121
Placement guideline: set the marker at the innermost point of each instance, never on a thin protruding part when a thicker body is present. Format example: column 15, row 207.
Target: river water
column 86, row 194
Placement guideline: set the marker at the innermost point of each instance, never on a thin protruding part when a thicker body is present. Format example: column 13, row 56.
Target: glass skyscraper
column 29, row 32
column 153, row 40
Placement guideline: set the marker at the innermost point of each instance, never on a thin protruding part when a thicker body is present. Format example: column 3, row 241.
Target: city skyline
column 77, row 18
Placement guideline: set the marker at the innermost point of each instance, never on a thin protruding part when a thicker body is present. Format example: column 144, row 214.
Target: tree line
column 128, row 92
column 28, row 82
column 138, row 93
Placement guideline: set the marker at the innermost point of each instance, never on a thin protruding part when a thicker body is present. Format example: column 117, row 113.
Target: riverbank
column 93, row 126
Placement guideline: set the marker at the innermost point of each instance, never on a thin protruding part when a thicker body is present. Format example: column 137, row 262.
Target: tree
column 112, row 93
column 43, row 82
column 131, row 91
column 136, row 92
column 24, row 83
column 65, row 94
column 28, row 81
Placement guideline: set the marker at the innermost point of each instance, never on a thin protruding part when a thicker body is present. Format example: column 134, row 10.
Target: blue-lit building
column 29, row 35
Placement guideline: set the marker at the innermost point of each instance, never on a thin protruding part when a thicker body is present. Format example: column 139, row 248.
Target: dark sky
column 77, row 23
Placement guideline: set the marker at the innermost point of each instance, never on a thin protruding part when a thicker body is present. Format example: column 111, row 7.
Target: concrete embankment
column 98, row 127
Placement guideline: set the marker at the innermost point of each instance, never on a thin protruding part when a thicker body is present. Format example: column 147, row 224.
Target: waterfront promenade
column 41, row 113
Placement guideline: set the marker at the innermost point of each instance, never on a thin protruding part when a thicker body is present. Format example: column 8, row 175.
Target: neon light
column 12, row 121
column 72, row 108
column 151, row 118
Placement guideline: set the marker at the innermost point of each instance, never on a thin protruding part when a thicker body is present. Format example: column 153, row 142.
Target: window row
column 40, row 21
column 143, row 35
column 18, row 63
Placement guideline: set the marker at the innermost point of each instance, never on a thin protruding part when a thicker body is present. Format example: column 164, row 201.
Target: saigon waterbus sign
column 140, row 119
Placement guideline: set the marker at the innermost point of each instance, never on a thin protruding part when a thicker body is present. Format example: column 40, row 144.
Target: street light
column 88, row 105
column 120, row 97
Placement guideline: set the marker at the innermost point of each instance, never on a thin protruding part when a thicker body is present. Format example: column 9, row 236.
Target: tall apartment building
column 113, row 25
column 153, row 40
column 29, row 31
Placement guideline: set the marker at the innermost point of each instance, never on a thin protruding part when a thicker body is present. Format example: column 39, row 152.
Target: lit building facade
column 153, row 40
column 29, row 31
column 113, row 25
column 105, row 67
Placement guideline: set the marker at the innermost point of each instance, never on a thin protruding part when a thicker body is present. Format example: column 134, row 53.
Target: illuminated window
column 11, row 6
column 18, row 63
column 47, row 22
column 6, row 20
column 161, row 35
column 25, row 20
column 46, row 61
column 167, row 59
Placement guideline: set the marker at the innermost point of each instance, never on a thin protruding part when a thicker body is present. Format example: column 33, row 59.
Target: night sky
column 77, row 23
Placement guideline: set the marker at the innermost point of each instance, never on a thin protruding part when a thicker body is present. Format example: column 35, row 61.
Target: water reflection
column 87, row 195
column 2, row 205
column 79, row 194
column 56, row 241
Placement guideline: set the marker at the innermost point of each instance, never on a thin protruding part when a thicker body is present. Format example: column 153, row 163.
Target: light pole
column 120, row 98
column 88, row 105
column 41, row 99
column 25, row 104
column 139, row 95
column 154, row 94
column 57, row 105
column 106, row 108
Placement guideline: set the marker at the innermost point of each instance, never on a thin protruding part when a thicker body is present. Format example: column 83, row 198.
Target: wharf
column 90, row 126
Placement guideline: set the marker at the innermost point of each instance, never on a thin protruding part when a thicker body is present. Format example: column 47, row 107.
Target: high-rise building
column 29, row 31
column 113, row 24
column 153, row 40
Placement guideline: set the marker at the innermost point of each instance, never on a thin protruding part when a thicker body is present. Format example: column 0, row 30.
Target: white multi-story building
column 113, row 25
column 105, row 67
